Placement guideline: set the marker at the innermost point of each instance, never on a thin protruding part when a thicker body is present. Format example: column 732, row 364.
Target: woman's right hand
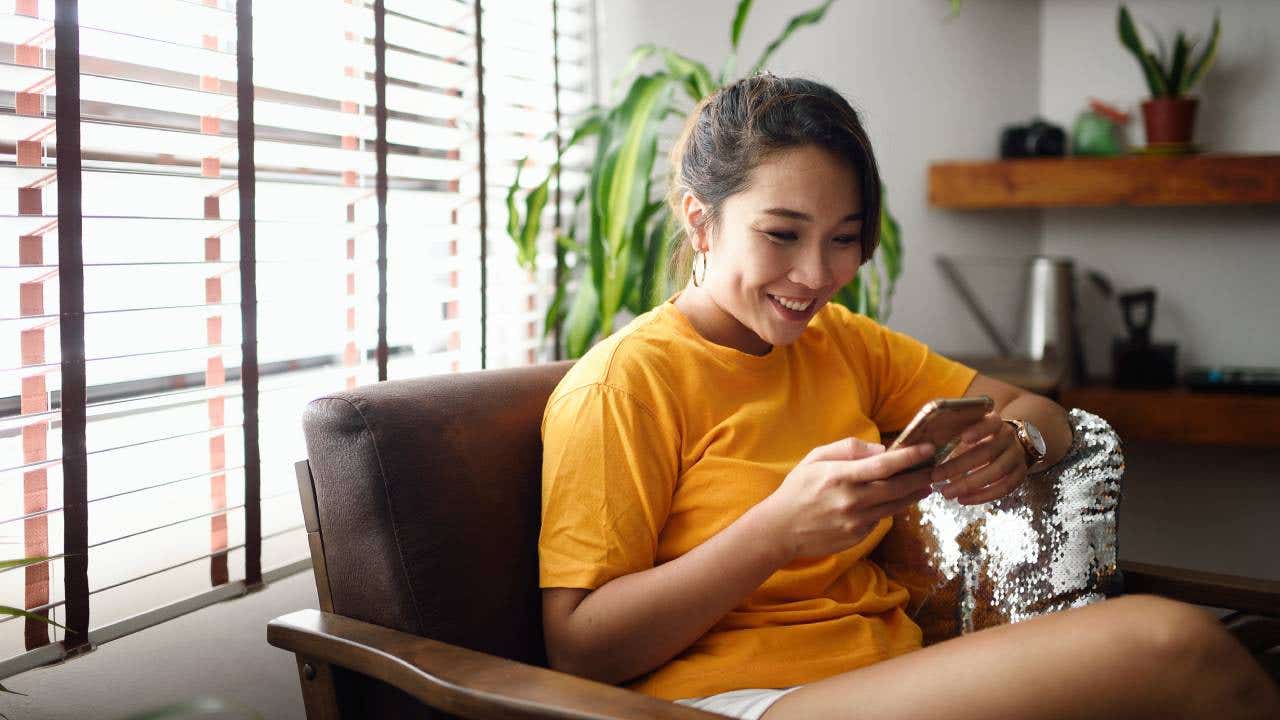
column 838, row 493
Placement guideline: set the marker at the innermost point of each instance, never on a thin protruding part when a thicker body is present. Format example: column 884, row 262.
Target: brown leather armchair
column 422, row 504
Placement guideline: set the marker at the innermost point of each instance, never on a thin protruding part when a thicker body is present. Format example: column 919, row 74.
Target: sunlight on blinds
column 158, row 92
column 433, row 220
column 162, row 325
column 30, row 438
column 520, row 104
column 316, row 232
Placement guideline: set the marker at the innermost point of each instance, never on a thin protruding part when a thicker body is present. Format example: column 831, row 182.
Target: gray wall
column 1214, row 268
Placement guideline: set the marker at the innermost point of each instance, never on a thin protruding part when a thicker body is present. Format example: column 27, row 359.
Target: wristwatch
column 1032, row 441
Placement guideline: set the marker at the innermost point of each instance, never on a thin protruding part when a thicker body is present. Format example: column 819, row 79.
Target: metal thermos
column 1049, row 325
column 1048, row 331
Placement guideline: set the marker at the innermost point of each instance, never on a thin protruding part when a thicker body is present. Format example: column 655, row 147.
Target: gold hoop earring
column 697, row 281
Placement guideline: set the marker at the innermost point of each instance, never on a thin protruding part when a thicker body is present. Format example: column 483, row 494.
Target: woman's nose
column 812, row 270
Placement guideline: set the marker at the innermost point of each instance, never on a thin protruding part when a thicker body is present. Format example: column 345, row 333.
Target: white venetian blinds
column 163, row 440
column 191, row 427
column 523, row 52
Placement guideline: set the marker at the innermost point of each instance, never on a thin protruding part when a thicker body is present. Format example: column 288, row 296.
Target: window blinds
column 231, row 270
column 527, row 45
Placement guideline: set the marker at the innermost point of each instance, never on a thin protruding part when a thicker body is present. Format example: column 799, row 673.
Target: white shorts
column 748, row 704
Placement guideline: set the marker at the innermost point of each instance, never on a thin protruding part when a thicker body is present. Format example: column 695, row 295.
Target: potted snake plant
column 1171, row 72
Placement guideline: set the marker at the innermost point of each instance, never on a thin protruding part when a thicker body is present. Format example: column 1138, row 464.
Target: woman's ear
column 693, row 212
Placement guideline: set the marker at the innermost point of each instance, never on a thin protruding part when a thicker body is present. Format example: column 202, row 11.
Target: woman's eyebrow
column 797, row 215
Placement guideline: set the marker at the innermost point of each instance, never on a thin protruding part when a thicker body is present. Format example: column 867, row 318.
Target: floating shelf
column 1133, row 180
column 1182, row 416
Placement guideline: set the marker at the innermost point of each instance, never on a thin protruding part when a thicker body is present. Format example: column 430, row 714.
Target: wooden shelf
column 1179, row 415
column 1094, row 182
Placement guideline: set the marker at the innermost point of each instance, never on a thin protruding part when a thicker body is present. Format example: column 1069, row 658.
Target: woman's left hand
column 989, row 463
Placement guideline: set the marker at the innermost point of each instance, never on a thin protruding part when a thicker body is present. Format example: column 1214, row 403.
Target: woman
column 713, row 484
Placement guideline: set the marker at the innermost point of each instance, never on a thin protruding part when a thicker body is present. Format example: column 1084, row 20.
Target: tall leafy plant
column 620, row 224
column 1169, row 72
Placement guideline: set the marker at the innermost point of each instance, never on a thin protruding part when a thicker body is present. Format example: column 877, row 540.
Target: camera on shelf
column 1035, row 139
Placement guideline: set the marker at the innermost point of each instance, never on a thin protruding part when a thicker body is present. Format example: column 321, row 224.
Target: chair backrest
column 427, row 497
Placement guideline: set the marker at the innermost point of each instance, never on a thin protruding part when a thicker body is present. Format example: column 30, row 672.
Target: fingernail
column 926, row 449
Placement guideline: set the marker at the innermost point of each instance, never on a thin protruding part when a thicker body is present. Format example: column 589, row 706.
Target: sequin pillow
column 1048, row 546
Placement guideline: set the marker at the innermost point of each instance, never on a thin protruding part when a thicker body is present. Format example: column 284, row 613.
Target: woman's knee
column 1170, row 638
column 1200, row 658
column 1190, row 652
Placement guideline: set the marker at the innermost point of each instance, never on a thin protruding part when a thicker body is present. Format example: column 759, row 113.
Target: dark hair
column 739, row 126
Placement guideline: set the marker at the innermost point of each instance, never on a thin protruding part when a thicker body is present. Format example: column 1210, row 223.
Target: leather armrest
column 461, row 681
column 1251, row 595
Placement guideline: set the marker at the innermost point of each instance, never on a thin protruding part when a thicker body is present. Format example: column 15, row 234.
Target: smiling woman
column 713, row 483
column 784, row 246
column 776, row 186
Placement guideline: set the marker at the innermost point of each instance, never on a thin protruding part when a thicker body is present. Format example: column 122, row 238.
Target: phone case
column 940, row 422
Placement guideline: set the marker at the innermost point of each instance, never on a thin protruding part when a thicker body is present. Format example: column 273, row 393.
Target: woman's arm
column 833, row 499
column 637, row 622
column 1014, row 403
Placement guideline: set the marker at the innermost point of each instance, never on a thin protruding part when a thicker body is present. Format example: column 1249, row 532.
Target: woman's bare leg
column 1132, row 657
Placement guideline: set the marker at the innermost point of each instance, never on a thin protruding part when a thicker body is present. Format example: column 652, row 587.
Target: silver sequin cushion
column 1048, row 546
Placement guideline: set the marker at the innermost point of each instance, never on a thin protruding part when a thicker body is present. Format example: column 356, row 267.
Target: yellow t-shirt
column 658, row 439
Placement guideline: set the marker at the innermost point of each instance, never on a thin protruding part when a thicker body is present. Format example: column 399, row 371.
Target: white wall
column 1214, row 268
column 928, row 88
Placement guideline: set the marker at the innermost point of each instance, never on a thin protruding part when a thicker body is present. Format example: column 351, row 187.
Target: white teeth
column 797, row 305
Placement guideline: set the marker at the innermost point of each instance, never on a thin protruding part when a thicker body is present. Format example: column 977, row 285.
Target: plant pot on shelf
column 1169, row 121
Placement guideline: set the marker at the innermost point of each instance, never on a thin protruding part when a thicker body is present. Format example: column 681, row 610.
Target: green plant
column 620, row 228
column 1168, row 74
column 17, row 612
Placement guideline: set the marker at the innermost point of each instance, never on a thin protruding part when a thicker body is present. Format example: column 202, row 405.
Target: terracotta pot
column 1169, row 120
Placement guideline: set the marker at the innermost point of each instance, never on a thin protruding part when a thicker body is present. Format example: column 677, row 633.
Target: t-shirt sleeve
column 609, row 469
column 906, row 374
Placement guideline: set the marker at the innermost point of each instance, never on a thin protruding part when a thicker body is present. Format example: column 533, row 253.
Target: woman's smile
column 794, row 309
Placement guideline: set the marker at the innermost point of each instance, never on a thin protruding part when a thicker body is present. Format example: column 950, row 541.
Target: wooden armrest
column 1251, row 595
column 461, row 681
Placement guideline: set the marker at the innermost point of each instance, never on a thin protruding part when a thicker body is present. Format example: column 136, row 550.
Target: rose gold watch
column 1031, row 440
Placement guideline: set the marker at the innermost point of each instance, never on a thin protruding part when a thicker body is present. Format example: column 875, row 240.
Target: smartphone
column 940, row 422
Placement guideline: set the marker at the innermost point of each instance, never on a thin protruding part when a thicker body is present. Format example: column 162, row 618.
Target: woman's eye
column 847, row 239
column 781, row 235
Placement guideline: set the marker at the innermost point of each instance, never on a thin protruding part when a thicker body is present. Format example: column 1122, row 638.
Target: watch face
column 1037, row 440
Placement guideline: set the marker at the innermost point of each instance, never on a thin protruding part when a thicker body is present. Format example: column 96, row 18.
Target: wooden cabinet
column 1179, row 415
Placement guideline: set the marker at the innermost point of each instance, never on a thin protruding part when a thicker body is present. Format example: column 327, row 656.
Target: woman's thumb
column 848, row 448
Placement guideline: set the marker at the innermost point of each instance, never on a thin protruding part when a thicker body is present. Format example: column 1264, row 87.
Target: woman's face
column 784, row 246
